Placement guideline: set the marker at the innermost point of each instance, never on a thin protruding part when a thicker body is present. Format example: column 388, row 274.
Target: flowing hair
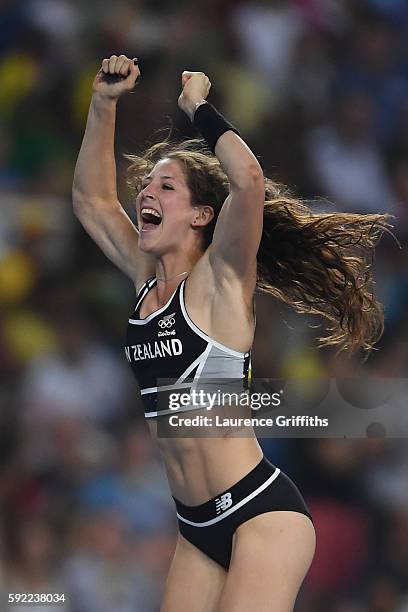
column 317, row 262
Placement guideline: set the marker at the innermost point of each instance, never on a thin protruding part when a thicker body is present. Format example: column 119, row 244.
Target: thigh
column 194, row 582
column 271, row 556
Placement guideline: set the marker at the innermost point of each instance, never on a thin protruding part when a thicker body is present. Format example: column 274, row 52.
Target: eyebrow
column 163, row 176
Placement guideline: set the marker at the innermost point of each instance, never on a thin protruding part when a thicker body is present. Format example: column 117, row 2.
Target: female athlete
column 210, row 230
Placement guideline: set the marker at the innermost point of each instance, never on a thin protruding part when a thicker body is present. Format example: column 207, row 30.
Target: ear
column 202, row 215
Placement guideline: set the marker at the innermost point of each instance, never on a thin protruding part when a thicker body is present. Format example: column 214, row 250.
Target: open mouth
column 150, row 219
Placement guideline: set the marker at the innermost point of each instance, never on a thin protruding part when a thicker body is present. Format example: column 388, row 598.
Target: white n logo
column 223, row 502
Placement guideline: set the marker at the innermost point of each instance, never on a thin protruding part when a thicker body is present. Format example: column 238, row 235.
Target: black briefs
column 211, row 526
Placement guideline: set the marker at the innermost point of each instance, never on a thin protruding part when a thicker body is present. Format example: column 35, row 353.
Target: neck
column 167, row 280
column 174, row 267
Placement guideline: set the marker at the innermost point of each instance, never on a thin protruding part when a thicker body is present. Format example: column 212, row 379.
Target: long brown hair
column 317, row 262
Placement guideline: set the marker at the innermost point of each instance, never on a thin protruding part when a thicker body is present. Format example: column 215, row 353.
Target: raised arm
column 239, row 226
column 94, row 191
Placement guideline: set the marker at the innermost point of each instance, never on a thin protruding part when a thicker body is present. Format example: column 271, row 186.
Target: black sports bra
column 168, row 352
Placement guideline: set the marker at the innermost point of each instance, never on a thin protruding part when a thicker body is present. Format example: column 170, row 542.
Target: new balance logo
column 167, row 321
column 223, row 502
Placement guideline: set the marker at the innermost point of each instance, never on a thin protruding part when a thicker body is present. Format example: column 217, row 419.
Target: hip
column 210, row 526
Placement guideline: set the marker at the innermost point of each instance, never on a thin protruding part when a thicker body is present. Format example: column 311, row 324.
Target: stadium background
column 319, row 89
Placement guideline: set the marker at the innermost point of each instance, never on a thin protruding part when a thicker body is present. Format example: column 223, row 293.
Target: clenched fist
column 196, row 86
column 117, row 76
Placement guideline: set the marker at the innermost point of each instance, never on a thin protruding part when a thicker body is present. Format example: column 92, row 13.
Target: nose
column 147, row 195
column 148, row 190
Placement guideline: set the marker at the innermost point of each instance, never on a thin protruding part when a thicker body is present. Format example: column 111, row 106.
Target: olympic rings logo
column 167, row 322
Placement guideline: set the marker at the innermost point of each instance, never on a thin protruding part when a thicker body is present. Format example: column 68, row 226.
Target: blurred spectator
column 345, row 161
column 60, row 21
column 135, row 488
column 268, row 32
column 34, row 564
column 81, row 379
column 374, row 64
column 102, row 569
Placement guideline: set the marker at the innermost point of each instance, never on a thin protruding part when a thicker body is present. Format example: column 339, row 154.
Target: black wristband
column 211, row 124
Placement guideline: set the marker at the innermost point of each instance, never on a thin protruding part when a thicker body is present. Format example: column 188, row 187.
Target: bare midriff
column 199, row 468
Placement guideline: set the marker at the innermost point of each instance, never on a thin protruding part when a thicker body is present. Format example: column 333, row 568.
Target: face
column 164, row 209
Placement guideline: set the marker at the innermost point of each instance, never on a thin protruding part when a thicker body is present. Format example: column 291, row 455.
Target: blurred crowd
column 319, row 90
